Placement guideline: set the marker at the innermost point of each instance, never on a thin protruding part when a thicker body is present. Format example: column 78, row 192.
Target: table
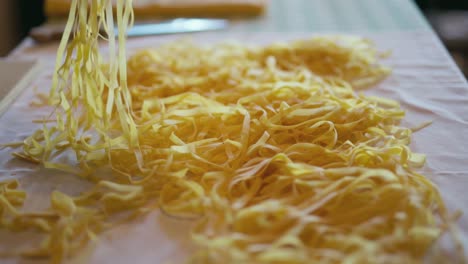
column 425, row 80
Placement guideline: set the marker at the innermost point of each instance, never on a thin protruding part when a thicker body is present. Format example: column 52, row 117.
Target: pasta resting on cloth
column 269, row 150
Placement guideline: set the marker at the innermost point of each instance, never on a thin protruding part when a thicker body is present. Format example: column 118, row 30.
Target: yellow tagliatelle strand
column 268, row 150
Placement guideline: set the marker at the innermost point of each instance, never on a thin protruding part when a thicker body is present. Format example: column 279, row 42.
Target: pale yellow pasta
column 268, row 150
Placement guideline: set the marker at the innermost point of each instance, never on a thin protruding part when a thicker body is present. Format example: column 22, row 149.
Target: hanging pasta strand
column 83, row 122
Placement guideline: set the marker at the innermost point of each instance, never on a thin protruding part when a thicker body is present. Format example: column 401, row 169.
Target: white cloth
column 424, row 80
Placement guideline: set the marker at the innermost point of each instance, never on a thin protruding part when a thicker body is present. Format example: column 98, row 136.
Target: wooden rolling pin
column 176, row 8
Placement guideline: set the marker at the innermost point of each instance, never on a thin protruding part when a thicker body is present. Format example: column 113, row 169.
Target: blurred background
column 449, row 18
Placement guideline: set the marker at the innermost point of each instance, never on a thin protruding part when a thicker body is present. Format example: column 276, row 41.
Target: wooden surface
column 155, row 8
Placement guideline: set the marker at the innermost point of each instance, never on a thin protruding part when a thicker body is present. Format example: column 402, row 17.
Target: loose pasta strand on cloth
column 268, row 150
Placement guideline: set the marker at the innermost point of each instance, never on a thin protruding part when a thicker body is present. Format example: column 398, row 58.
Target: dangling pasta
column 269, row 150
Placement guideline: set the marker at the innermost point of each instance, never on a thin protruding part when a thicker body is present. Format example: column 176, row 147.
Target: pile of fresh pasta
column 269, row 151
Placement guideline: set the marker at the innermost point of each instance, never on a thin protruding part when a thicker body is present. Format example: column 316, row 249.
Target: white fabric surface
column 424, row 80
